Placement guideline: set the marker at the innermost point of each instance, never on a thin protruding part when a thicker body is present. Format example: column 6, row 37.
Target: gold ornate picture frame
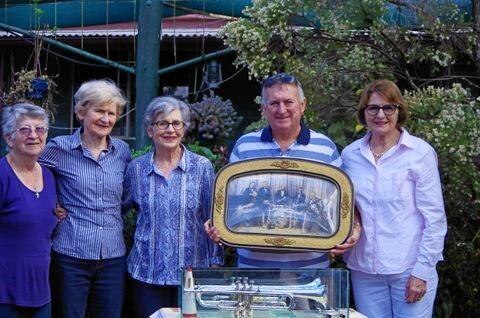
column 290, row 204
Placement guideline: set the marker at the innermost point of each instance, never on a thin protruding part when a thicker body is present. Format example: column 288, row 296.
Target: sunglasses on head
column 280, row 78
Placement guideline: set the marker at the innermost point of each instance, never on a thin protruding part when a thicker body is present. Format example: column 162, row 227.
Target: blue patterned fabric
column 91, row 192
column 169, row 235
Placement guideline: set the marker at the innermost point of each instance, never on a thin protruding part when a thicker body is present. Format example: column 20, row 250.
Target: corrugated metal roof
column 193, row 25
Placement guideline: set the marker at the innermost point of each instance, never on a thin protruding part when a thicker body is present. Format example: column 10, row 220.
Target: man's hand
column 349, row 243
column 415, row 289
column 60, row 212
column 212, row 231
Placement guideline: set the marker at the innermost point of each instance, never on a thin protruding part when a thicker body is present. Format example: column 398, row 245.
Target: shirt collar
column 303, row 137
column 182, row 164
column 77, row 140
column 405, row 139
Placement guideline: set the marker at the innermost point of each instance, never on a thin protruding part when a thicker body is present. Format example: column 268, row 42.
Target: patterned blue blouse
column 169, row 235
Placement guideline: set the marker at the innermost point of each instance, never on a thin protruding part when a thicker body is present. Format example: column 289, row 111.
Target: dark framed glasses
column 280, row 78
column 27, row 130
column 163, row 124
column 388, row 109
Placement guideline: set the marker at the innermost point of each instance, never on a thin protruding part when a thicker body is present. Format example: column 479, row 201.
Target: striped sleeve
column 50, row 154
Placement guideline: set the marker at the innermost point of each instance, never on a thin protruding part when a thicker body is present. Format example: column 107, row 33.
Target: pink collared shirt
column 401, row 205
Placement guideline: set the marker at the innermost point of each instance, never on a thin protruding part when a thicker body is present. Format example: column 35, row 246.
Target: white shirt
column 401, row 205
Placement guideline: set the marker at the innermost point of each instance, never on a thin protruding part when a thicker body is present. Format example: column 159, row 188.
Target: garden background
column 431, row 49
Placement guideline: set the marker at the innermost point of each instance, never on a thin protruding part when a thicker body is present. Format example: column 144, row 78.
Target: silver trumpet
column 243, row 296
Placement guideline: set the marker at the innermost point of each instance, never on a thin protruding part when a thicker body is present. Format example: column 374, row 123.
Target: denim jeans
column 13, row 311
column 93, row 286
column 383, row 296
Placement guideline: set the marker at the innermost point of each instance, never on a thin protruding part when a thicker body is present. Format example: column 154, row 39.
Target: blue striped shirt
column 91, row 192
column 169, row 235
column 309, row 145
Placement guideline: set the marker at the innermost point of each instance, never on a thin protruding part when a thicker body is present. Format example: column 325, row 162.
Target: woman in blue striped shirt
column 171, row 188
column 88, row 258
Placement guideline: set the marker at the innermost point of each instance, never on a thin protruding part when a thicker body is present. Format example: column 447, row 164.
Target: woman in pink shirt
column 398, row 194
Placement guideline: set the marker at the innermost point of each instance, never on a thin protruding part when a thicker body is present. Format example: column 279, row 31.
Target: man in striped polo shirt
column 283, row 104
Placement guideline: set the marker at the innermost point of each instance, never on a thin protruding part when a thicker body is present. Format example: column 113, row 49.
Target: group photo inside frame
column 283, row 203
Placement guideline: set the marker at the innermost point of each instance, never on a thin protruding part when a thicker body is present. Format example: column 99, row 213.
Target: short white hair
column 99, row 92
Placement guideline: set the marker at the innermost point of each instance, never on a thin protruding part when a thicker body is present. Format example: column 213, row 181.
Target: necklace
column 25, row 177
column 36, row 192
column 379, row 155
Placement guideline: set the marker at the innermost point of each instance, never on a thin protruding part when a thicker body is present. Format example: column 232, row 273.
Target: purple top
column 26, row 225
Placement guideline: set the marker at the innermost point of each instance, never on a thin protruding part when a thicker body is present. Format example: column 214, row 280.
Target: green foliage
column 449, row 119
column 204, row 151
column 217, row 155
column 336, row 47
column 140, row 152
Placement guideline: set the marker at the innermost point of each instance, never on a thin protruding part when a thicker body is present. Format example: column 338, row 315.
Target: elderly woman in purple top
column 88, row 258
column 27, row 220
column 171, row 188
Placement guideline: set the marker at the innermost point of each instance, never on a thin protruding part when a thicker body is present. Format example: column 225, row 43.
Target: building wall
column 71, row 70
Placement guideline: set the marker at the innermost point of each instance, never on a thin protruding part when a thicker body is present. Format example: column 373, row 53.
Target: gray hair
column 99, row 92
column 12, row 115
column 165, row 105
column 279, row 79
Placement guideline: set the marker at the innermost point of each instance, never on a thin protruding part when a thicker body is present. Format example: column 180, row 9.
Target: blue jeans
column 13, row 311
column 148, row 298
column 383, row 296
column 78, row 282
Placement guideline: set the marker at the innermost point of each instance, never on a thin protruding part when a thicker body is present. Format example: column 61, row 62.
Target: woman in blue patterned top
column 171, row 187
column 27, row 220
column 88, row 258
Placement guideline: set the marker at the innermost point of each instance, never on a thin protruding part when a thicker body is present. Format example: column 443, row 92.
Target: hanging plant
column 31, row 85
column 27, row 86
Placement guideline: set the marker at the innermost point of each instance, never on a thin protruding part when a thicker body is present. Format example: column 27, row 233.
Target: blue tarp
column 74, row 13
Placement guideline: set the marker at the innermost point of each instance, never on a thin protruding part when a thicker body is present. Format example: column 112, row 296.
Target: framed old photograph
column 277, row 203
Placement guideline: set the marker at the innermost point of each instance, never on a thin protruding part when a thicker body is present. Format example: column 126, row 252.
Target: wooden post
column 148, row 60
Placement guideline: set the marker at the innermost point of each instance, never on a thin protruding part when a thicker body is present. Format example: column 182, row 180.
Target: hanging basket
column 29, row 87
column 38, row 87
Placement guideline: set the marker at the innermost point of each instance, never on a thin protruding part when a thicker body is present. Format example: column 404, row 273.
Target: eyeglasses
column 27, row 130
column 163, row 124
column 280, row 78
column 388, row 109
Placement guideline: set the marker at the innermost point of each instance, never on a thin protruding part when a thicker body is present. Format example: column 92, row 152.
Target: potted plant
column 28, row 86
column 31, row 85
